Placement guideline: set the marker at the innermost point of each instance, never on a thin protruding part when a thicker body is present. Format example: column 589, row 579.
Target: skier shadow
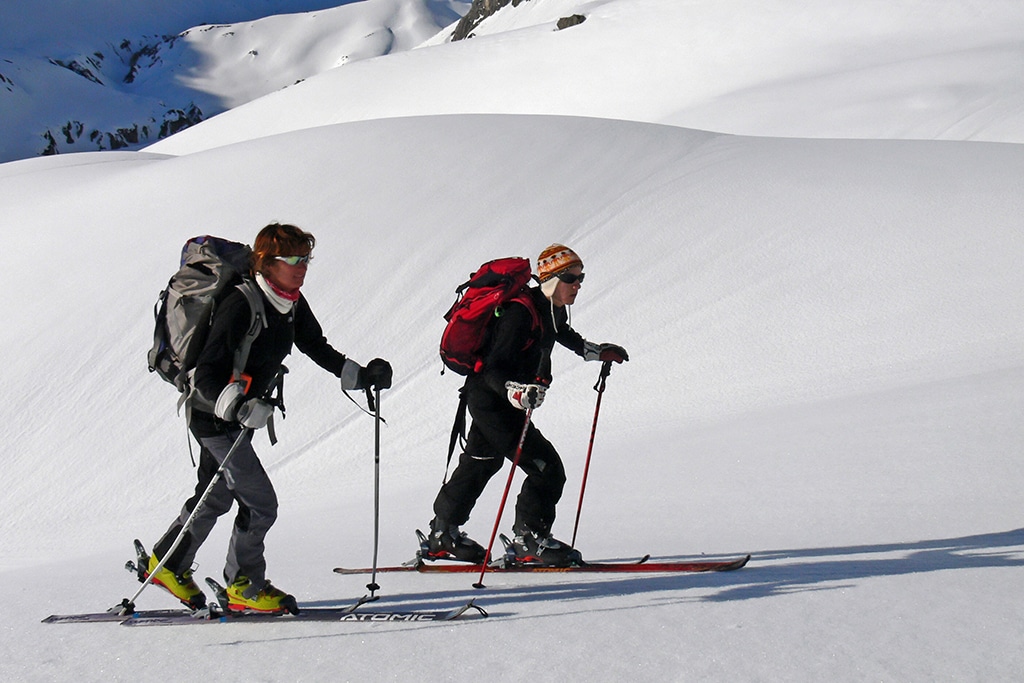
column 770, row 573
column 796, row 570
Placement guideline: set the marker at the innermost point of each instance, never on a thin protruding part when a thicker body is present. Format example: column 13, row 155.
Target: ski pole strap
column 458, row 431
column 606, row 369
column 356, row 403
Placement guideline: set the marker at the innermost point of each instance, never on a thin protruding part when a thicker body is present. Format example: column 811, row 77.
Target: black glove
column 377, row 373
column 604, row 352
column 613, row 352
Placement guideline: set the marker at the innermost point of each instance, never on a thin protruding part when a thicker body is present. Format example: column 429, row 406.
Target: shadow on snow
column 770, row 573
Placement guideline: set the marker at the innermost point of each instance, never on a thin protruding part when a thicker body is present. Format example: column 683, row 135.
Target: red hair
column 280, row 239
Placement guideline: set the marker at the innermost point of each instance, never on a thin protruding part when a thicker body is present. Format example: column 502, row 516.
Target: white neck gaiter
column 279, row 302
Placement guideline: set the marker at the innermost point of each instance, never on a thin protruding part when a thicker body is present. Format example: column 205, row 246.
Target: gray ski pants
column 244, row 480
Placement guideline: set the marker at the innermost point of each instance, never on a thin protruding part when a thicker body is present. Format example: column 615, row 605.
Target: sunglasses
column 571, row 278
column 295, row 260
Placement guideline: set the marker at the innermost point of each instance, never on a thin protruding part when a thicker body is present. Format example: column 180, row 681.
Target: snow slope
column 827, row 371
column 876, row 69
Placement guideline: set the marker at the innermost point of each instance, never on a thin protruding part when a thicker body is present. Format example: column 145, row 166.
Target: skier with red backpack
column 508, row 377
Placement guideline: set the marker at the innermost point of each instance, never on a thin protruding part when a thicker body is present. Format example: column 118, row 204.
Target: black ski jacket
column 519, row 352
column 215, row 365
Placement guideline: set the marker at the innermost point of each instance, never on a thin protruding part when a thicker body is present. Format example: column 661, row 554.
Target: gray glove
column 351, row 375
column 255, row 413
column 231, row 397
column 231, row 406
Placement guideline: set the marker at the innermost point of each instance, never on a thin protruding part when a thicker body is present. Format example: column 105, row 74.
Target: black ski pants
column 492, row 438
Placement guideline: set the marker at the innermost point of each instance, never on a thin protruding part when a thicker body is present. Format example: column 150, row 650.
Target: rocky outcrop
column 128, row 60
column 74, row 136
column 82, row 70
column 481, row 9
column 574, row 20
column 478, row 11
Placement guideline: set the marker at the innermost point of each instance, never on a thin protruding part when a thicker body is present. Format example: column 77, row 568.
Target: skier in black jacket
column 516, row 374
column 223, row 405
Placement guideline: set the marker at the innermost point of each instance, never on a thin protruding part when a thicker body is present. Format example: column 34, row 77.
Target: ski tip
column 365, row 599
column 738, row 564
column 462, row 609
column 480, row 610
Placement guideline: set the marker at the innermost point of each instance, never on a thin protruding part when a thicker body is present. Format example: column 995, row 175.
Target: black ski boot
column 536, row 548
column 446, row 542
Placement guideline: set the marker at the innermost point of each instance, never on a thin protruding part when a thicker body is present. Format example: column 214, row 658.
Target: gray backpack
column 210, row 268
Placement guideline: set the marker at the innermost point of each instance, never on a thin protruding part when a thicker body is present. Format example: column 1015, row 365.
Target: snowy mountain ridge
column 137, row 89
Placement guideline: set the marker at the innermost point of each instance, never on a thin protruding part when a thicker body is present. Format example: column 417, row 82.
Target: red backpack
column 478, row 301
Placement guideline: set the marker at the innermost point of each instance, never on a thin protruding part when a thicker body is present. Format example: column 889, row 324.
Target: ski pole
column 372, row 586
column 128, row 606
column 504, row 496
column 606, row 369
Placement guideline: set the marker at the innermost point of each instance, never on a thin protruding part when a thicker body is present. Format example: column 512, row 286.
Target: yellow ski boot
column 243, row 596
column 180, row 586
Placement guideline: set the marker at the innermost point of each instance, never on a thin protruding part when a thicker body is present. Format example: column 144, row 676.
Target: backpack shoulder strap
column 257, row 323
column 525, row 298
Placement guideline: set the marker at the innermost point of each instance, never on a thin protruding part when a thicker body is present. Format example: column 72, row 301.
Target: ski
column 164, row 617
column 643, row 565
column 598, row 567
column 315, row 614
column 593, row 567
column 116, row 615
column 424, row 564
column 455, row 567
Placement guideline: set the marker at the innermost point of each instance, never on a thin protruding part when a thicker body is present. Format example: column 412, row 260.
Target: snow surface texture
column 827, row 368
